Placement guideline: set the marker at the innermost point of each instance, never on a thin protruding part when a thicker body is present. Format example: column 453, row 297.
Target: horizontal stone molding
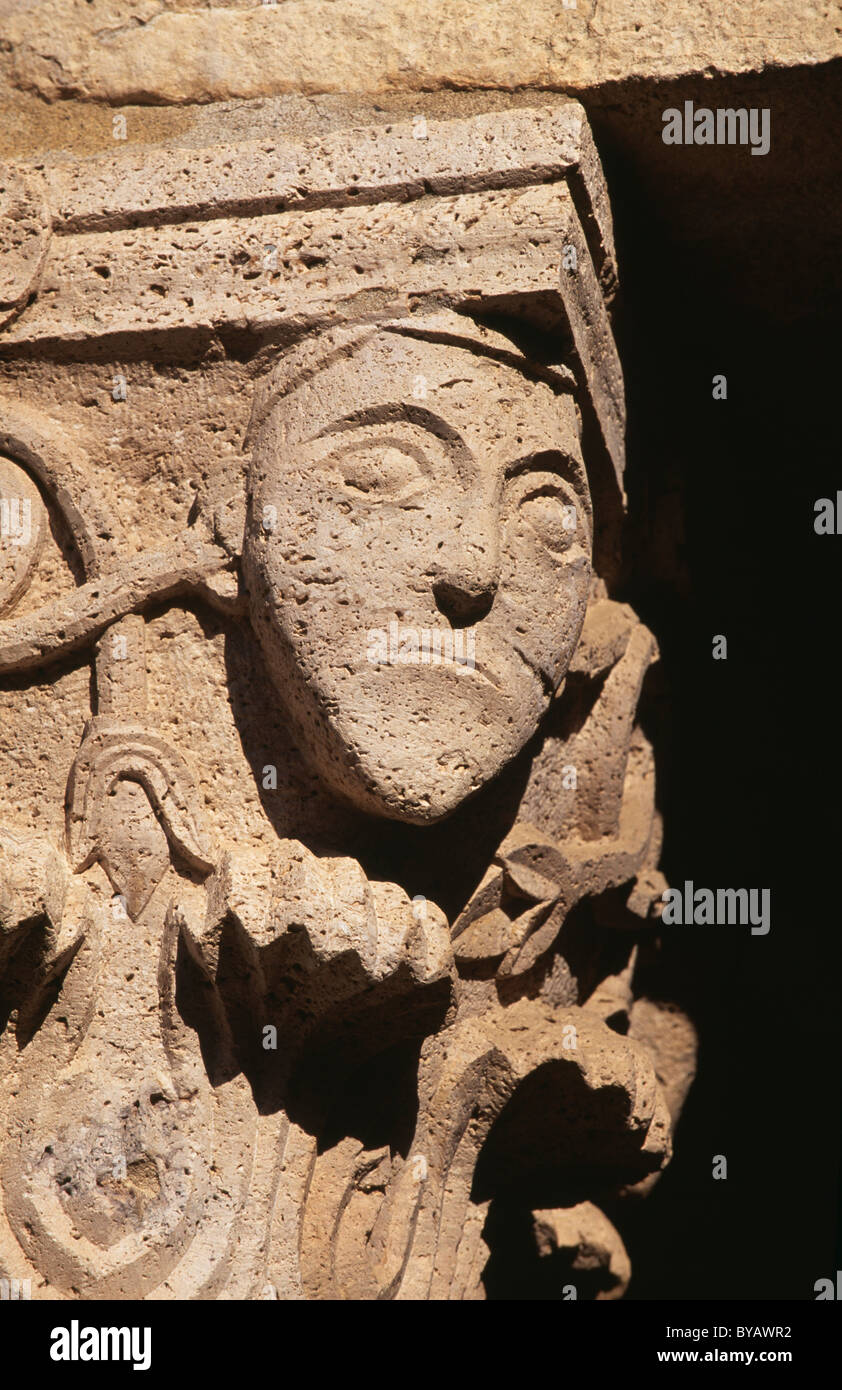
column 148, row 52
column 489, row 214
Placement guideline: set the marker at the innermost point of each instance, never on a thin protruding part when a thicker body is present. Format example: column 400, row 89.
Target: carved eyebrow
column 550, row 461
column 397, row 414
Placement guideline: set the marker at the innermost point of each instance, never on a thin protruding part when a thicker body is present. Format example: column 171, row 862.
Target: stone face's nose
column 466, row 571
column 462, row 605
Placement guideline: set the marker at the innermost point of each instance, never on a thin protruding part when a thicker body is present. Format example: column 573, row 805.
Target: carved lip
column 476, row 671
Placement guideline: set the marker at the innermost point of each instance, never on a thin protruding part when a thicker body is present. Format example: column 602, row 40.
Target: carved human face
column 408, row 495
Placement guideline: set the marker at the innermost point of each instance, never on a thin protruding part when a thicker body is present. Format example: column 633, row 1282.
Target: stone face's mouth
column 485, row 673
column 536, row 673
column 466, row 671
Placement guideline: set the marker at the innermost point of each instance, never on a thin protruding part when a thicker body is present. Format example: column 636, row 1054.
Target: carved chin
column 398, row 785
column 418, row 762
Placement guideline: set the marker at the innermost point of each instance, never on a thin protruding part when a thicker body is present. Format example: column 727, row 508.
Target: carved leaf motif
column 130, row 844
column 131, row 803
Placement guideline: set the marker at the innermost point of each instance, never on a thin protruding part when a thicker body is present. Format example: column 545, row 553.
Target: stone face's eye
column 546, row 491
column 399, row 460
column 553, row 519
column 378, row 470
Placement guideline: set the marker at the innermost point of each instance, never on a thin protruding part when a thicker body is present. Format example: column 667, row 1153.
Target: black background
column 729, row 266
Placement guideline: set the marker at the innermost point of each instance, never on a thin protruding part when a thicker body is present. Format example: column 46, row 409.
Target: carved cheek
column 290, row 536
column 544, row 588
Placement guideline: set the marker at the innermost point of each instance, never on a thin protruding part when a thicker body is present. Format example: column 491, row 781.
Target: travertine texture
column 311, row 467
column 136, row 51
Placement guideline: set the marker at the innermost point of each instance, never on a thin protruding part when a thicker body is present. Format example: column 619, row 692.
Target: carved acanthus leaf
column 125, row 832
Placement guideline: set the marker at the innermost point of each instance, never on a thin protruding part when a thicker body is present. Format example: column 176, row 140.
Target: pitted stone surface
column 162, row 51
column 311, row 473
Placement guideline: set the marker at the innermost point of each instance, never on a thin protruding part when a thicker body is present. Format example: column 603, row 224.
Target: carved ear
column 133, row 838
column 229, row 524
